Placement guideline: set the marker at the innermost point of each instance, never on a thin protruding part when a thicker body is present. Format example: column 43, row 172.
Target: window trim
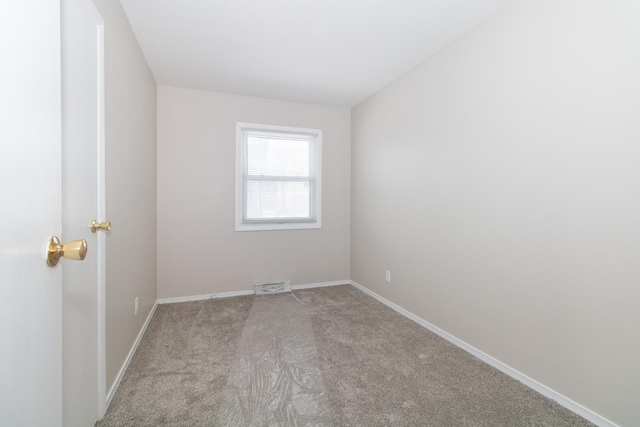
column 316, row 165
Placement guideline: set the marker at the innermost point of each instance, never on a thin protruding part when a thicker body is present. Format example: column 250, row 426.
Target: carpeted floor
column 318, row 357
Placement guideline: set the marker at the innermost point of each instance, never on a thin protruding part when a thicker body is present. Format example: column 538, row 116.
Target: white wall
column 131, row 185
column 198, row 250
column 499, row 182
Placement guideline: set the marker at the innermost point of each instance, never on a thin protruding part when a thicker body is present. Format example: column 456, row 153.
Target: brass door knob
column 76, row 249
column 102, row 226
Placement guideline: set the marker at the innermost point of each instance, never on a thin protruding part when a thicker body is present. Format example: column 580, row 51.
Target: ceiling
column 330, row 52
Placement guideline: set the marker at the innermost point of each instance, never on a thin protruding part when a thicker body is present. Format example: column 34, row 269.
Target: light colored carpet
column 318, row 357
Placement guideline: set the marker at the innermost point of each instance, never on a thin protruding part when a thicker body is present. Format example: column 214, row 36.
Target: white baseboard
column 321, row 284
column 232, row 294
column 205, row 296
column 513, row 373
column 127, row 361
column 247, row 292
column 185, row 299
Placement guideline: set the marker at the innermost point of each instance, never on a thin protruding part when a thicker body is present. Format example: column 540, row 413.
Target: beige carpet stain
column 318, row 357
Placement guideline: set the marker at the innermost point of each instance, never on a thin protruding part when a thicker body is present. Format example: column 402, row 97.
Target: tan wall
column 499, row 182
column 198, row 250
column 131, row 185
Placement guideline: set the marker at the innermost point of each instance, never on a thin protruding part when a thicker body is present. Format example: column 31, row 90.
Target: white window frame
column 315, row 137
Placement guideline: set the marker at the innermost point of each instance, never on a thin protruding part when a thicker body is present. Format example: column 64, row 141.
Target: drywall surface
column 198, row 250
column 499, row 183
column 131, row 186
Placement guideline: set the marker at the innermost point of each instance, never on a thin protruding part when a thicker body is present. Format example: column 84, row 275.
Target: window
column 277, row 177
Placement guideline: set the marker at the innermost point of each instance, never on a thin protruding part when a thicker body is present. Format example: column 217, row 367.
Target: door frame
column 101, row 191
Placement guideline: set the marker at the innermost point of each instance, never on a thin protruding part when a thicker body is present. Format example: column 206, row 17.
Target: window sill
column 275, row 227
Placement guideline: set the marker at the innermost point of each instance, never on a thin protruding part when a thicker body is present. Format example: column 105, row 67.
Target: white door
column 30, row 206
column 43, row 382
column 82, row 202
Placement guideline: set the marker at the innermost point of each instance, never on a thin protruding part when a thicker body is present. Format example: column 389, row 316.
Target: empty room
column 320, row 213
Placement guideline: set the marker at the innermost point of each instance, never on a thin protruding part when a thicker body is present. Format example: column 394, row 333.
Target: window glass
column 278, row 182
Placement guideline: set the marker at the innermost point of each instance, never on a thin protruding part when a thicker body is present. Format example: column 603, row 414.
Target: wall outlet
column 387, row 276
column 135, row 310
